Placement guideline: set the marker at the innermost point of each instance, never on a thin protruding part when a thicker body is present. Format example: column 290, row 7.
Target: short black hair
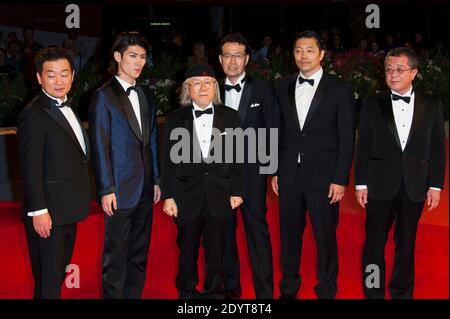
column 123, row 41
column 310, row 35
column 235, row 38
column 413, row 60
column 52, row 54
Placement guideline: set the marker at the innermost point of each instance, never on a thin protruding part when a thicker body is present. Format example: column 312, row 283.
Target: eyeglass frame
column 398, row 70
column 198, row 84
column 236, row 56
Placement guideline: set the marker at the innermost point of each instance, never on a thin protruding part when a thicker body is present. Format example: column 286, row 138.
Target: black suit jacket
column 190, row 183
column 380, row 163
column 123, row 157
column 326, row 142
column 257, row 109
column 54, row 166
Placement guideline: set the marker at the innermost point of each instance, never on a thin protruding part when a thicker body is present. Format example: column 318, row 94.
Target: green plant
column 12, row 93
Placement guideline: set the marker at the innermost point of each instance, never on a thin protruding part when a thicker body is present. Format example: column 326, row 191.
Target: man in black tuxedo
column 399, row 164
column 122, row 120
column 54, row 152
column 255, row 101
column 201, row 189
column 315, row 155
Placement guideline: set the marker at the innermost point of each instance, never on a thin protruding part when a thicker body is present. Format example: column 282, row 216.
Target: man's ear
column 39, row 78
column 117, row 56
column 247, row 58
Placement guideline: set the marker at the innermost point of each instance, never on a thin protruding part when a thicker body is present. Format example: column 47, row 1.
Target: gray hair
column 185, row 98
column 413, row 60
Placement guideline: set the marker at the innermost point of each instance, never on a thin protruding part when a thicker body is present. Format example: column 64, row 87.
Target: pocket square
column 254, row 105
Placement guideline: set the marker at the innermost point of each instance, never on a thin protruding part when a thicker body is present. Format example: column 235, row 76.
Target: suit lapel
column 145, row 115
column 218, row 123
column 85, row 137
column 244, row 103
column 388, row 114
column 292, row 103
column 222, row 91
column 52, row 110
column 418, row 116
column 187, row 121
column 318, row 96
column 126, row 106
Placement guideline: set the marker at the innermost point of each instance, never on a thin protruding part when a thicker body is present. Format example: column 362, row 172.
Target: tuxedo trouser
column 125, row 251
column 189, row 237
column 49, row 257
column 253, row 211
column 380, row 216
column 294, row 201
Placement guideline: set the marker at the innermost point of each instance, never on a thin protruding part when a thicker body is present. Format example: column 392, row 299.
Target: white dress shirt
column 304, row 94
column 76, row 127
column 203, row 128
column 134, row 99
column 403, row 116
column 233, row 97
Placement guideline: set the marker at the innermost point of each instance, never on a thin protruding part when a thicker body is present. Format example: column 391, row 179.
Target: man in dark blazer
column 54, row 152
column 122, row 120
column 399, row 164
column 255, row 101
column 202, row 188
column 315, row 155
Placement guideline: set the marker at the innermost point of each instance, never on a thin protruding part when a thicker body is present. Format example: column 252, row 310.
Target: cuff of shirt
column 358, row 187
column 38, row 212
column 435, row 188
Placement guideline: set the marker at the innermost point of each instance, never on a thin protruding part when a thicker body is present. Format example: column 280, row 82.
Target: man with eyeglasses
column 202, row 189
column 255, row 102
column 399, row 165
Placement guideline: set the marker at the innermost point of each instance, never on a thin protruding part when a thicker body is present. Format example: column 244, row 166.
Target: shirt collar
column 198, row 108
column 227, row 81
column 124, row 84
column 316, row 76
column 55, row 99
column 407, row 93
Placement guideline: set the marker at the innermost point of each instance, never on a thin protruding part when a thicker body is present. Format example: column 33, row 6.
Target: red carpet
column 432, row 252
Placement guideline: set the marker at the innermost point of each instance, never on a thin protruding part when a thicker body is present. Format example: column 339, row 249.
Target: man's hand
column 433, row 197
column 336, row 193
column 170, row 207
column 157, row 194
column 361, row 197
column 235, row 201
column 42, row 225
column 109, row 203
column 274, row 183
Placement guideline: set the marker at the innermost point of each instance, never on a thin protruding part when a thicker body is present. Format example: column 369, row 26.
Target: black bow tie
column 199, row 113
column 237, row 87
column 66, row 103
column 133, row 87
column 302, row 80
column 396, row 97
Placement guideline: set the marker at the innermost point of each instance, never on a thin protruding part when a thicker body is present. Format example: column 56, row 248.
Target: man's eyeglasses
column 236, row 56
column 399, row 71
column 198, row 84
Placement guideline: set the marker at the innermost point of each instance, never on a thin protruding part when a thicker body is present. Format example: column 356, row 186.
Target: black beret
column 200, row 70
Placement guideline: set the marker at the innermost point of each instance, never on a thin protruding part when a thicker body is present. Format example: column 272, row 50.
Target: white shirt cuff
column 358, row 187
column 435, row 188
column 38, row 212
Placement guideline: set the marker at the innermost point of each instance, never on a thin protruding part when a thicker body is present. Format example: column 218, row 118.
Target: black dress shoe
column 233, row 294
column 193, row 294
column 288, row 297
